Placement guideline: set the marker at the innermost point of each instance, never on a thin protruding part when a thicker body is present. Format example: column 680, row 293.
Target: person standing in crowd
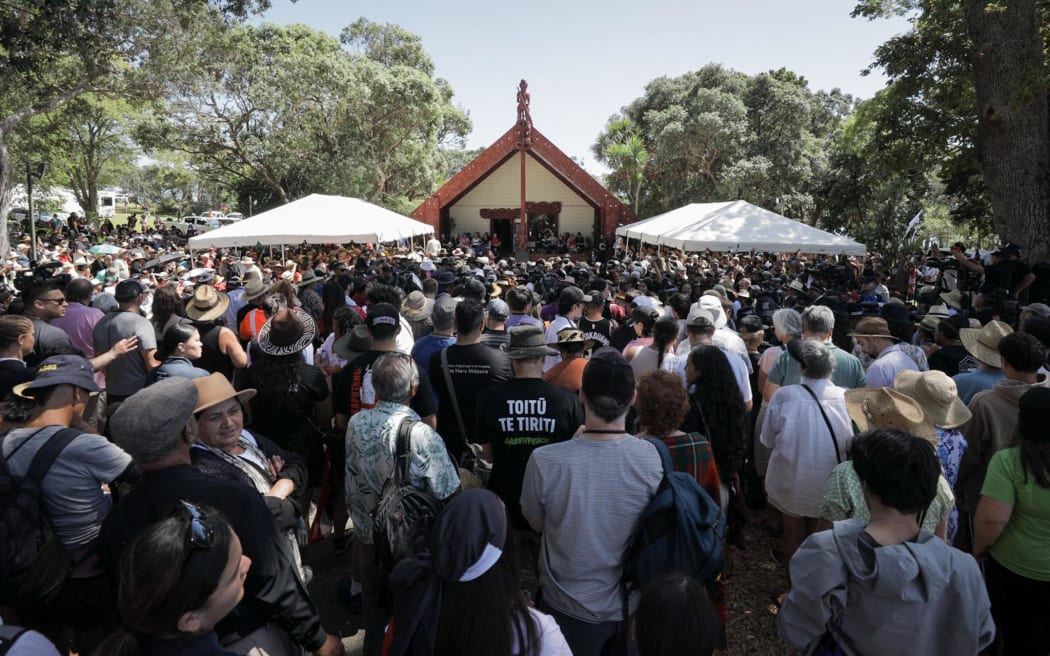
column 675, row 618
column 72, row 493
column 45, row 302
column 870, row 588
column 16, row 342
column 495, row 334
column 163, row 612
column 79, row 319
column 441, row 337
column 180, row 346
column 468, row 572
column 126, row 375
column 874, row 338
column 519, row 298
column 659, row 354
column 950, row 355
column 166, row 309
column 818, row 323
column 1011, row 529
column 156, row 427
column 570, row 309
column 808, row 428
column 371, row 436
column 983, row 344
column 573, row 347
column 221, row 351
column 459, row 373
column 520, row 415
column 716, row 409
column 594, row 324
column 585, row 531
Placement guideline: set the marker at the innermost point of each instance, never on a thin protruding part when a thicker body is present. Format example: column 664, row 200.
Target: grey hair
column 393, row 376
column 817, row 360
column 818, row 320
column 788, row 321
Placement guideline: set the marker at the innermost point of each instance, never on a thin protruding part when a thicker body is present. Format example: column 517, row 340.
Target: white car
column 196, row 224
column 234, row 216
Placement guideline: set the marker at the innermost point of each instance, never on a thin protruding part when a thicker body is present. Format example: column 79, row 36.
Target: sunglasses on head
column 200, row 535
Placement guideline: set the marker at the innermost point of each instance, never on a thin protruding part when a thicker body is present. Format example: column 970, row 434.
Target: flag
column 913, row 224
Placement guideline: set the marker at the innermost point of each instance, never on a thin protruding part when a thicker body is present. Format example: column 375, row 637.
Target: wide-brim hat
column 796, row 285
column 983, row 343
column 884, row 407
column 309, row 278
column 953, row 299
column 207, row 304
column 254, row 288
column 215, row 389
column 289, row 331
column 527, row 342
column 936, row 392
column 353, row 343
column 417, row 306
column 872, row 327
column 573, row 336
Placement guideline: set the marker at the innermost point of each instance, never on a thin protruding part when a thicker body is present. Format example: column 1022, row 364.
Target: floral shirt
column 844, row 499
column 371, row 436
column 951, row 445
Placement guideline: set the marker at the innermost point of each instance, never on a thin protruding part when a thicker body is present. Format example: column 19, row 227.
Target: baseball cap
column 701, row 317
column 1038, row 309
column 574, row 295
column 751, row 324
column 382, row 320
column 128, row 290
column 61, row 370
column 498, row 309
column 608, row 380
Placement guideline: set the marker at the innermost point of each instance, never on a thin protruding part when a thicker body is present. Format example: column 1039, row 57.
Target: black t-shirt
column 516, row 418
column 948, row 358
column 997, row 276
column 473, row 367
column 622, row 336
column 352, row 389
column 13, row 372
column 600, row 330
column 272, row 414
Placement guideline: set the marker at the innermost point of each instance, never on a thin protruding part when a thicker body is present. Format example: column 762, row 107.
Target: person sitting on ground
column 869, row 589
column 675, row 618
column 168, row 607
column 469, row 571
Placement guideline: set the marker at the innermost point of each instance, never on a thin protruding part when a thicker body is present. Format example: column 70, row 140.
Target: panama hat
column 216, row 388
column 884, row 407
column 289, row 331
column 983, row 343
column 207, row 304
column 936, row 392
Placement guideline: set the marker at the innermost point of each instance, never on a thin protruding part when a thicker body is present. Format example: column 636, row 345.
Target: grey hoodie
column 920, row 597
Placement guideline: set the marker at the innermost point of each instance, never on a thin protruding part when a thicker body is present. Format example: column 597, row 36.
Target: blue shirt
column 977, row 380
column 427, row 346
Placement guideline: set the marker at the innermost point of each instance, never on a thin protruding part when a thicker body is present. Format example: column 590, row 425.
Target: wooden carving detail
column 545, row 209
column 524, row 117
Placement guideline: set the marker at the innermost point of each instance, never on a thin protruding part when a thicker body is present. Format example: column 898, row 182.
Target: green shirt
column 848, row 371
column 1024, row 545
column 844, row 499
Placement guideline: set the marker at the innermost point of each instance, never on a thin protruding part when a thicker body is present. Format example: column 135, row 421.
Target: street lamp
column 33, row 170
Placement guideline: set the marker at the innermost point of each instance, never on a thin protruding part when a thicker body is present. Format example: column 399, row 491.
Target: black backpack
column 681, row 530
column 404, row 514
column 33, row 562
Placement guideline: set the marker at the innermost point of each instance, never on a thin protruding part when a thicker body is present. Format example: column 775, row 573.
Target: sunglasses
column 58, row 301
column 200, row 535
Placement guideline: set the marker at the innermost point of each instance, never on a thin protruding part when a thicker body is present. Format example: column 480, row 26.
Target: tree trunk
column 5, row 193
column 1013, row 133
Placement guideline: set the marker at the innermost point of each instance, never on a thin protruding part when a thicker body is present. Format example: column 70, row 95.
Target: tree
column 52, row 51
column 622, row 148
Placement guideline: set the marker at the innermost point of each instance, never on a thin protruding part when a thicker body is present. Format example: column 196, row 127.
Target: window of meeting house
column 542, row 226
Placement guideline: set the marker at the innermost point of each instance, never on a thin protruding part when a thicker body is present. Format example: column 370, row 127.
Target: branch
column 16, row 117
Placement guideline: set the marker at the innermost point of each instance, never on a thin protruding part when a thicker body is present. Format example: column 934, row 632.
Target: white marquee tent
column 316, row 219
column 735, row 226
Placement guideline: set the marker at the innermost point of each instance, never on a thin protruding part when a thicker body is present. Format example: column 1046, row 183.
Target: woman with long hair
column 167, row 308
column 177, row 580
column 332, row 298
column 1011, row 528
column 716, row 408
column 177, row 349
column 657, row 355
column 675, row 618
column 462, row 596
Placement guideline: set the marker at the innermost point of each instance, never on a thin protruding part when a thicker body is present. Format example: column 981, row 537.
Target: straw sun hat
column 215, row 389
column 882, row 407
column 983, row 343
column 937, row 394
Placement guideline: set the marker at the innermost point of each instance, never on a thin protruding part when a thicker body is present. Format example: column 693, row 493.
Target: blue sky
column 585, row 60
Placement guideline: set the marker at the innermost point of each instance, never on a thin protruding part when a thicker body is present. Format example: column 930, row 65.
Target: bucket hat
column 573, row 336
column 872, row 327
column 61, row 370
column 527, row 342
column 936, row 392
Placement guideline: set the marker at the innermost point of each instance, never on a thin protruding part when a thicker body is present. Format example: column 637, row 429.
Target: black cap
column 382, row 320
column 128, row 290
column 574, row 295
column 608, row 380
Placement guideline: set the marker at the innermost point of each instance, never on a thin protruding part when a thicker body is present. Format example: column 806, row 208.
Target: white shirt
column 551, row 336
column 803, row 452
column 739, row 372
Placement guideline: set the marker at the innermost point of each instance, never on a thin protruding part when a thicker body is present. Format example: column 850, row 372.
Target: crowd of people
column 211, row 416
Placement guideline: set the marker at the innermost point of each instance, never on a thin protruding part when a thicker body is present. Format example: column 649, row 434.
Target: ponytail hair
column 665, row 331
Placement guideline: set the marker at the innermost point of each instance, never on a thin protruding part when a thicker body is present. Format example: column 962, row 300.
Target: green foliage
column 622, row 148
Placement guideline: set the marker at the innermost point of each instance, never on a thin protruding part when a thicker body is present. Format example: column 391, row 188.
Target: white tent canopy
column 316, row 219
column 736, row 226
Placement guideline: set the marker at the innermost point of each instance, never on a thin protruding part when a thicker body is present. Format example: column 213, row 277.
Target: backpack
column 404, row 514
column 681, row 530
column 9, row 636
column 33, row 562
